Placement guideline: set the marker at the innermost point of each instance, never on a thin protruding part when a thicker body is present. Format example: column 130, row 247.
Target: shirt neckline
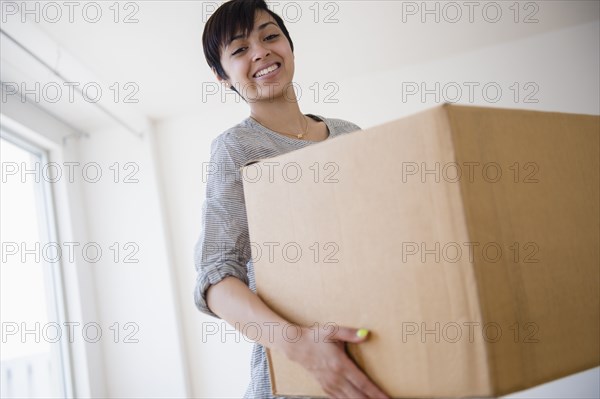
column 292, row 139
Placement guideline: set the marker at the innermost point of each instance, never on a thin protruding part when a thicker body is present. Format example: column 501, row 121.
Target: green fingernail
column 362, row 333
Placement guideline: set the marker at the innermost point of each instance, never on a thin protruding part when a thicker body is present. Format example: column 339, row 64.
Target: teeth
column 266, row 70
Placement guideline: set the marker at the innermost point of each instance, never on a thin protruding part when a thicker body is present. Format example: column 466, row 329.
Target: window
column 34, row 358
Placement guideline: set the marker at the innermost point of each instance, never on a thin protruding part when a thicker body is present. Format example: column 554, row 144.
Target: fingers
column 362, row 383
column 351, row 392
column 345, row 390
column 338, row 386
column 370, row 391
column 350, row 334
column 350, row 388
column 343, row 378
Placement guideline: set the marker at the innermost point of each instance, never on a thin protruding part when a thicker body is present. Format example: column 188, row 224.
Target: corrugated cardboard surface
column 441, row 325
column 552, row 203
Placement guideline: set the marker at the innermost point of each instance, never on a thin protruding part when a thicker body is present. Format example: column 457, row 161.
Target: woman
column 250, row 51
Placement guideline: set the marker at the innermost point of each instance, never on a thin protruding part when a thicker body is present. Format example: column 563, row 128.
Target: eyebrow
column 240, row 36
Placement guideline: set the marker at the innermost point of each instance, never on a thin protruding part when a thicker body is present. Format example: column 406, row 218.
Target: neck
column 281, row 114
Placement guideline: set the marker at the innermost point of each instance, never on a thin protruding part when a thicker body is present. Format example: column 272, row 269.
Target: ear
column 214, row 71
column 220, row 80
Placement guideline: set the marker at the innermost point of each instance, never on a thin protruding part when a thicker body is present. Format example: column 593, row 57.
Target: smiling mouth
column 267, row 71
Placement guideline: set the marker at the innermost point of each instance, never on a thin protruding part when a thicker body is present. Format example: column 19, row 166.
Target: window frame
column 53, row 272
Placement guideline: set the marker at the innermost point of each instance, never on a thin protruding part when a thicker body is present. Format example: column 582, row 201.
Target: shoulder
column 340, row 125
column 235, row 135
column 232, row 143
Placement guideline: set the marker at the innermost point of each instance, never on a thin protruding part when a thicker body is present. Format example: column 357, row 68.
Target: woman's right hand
column 321, row 350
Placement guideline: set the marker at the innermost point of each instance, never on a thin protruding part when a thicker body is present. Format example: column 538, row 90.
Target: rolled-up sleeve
column 223, row 248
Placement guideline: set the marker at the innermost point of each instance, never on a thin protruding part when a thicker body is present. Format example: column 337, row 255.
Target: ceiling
column 162, row 51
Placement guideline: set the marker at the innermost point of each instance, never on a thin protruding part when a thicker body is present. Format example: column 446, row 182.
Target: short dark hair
column 232, row 17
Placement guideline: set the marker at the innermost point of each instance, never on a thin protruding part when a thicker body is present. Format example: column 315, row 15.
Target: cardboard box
column 465, row 238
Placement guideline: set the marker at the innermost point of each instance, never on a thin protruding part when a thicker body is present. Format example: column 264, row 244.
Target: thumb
column 347, row 334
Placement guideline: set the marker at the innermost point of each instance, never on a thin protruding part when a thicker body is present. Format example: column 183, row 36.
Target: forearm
column 234, row 302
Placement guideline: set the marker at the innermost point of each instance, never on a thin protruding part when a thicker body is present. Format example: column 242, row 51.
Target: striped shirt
column 223, row 248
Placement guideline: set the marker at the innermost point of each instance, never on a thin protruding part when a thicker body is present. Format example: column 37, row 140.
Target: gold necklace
column 299, row 136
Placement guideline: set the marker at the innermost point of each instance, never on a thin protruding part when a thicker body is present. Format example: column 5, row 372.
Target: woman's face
column 260, row 66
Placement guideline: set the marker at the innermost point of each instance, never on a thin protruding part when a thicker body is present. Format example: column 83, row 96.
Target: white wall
column 563, row 64
column 141, row 293
column 217, row 369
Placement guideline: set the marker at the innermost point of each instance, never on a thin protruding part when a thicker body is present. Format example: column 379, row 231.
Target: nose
column 260, row 52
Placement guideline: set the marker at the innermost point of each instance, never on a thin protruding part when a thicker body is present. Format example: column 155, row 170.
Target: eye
column 238, row 50
column 270, row 37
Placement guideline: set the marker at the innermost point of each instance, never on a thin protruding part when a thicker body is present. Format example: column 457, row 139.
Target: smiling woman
column 250, row 51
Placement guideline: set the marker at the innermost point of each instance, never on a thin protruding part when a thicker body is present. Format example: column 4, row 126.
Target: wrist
column 293, row 340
